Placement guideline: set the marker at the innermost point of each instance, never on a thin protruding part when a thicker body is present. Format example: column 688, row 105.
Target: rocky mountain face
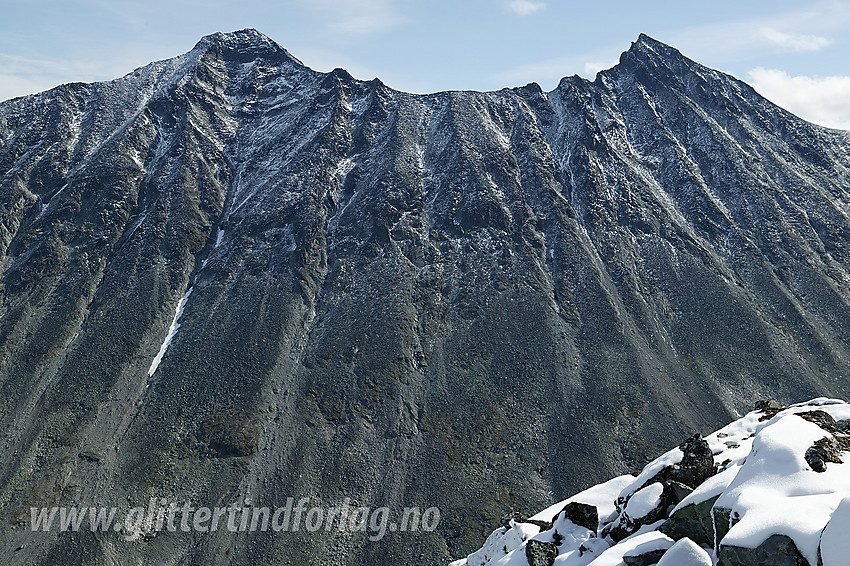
column 227, row 277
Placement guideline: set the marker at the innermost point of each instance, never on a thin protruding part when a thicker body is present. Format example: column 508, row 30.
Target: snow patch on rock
column 767, row 489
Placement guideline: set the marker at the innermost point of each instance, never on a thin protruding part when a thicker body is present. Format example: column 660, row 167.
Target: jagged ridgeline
column 226, row 277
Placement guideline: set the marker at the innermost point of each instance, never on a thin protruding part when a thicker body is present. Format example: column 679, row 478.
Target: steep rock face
column 400, row 299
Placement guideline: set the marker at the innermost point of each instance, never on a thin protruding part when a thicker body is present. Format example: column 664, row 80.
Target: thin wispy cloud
column 548, row 72
column 18, row 65
column 798, row 42
column 742, row 39
column 593, row 67
column 822, row 100
column 794, row 31
column 360, row 18
column 28, row 75
column 525, row 7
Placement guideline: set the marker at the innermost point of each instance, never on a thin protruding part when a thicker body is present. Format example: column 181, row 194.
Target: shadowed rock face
column 400, row 299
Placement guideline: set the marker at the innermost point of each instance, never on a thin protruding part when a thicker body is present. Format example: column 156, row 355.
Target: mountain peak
column 651, row 59
column 646, row 45
column 650, row 41
column 245, row 44
column 247, row 36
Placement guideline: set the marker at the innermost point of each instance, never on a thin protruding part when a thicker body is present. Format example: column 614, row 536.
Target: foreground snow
column 775, row 486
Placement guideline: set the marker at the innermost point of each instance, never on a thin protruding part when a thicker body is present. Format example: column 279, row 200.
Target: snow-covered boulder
column 685, row 553
column 834, row 547
column 649, row 552
column 770, row 488
column 660, row 486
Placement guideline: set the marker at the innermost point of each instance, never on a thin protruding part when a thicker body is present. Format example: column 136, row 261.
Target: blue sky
column 795, row 53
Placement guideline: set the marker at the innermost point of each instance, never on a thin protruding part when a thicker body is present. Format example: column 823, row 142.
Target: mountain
column 769, row 488
column 228, row 278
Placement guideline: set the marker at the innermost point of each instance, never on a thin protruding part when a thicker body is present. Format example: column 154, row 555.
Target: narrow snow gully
column 172, row 332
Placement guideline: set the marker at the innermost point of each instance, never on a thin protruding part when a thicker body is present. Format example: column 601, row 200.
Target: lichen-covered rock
column 693, row 521
column 723, row 520
column 540, row 553
column 777, row 550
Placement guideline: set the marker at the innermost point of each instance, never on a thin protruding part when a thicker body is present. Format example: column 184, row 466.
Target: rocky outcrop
column 736, row 517
column 663, row 489
column 696, row 466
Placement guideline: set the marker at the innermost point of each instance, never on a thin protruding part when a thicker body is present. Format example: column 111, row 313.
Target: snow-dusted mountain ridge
column 228, row 276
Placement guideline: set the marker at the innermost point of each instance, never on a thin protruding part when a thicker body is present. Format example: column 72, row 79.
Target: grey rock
column 582, row 514
column 696, row 466
column 692, row 521
column 679, row 490
column 647, row 553
column 820, row 418
column 512, row 517
column 827, row 449
column 768, row 405
column 539, row 553
column 646, row 559
column 778, row 550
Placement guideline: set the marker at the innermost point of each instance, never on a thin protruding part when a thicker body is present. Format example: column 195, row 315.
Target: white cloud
column 822, row 100
column 549, row 71
column 363, row 17
column 593, row 67
column 20, row 76
column 719, row 44
column 793, row 31
column 12, row 86
column 798, row 42
column 525, row 7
